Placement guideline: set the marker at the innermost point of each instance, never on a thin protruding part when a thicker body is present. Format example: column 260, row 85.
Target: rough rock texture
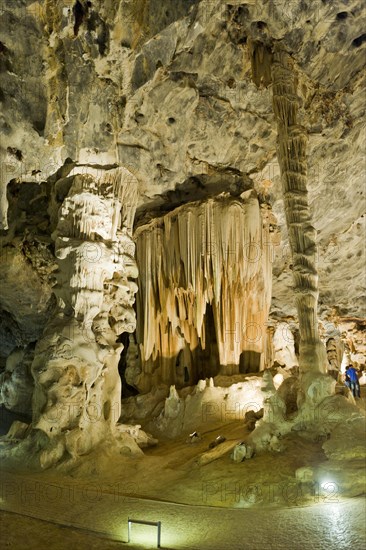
column 174, row 88
column 292, row 153
column 165, row 89
column 26, row 298
column 203, row 406
column 199, row 312
column 16, row 382
column 76, row 402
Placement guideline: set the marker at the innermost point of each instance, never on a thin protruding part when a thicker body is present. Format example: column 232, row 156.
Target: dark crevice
column 199, row 187
column 249, row 362
column 15, row 152
column 103, row 39
column 97, row 25
column 79, row 13
column 127, row 389
column 357, row 42
column 342, row 15
column 261, row 25
column 39, row 126
column 5, row 64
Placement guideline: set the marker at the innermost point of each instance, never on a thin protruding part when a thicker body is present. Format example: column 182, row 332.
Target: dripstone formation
column 182, row 205
column 76, row 400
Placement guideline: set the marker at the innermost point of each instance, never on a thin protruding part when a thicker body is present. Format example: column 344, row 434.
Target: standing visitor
column 353, row 377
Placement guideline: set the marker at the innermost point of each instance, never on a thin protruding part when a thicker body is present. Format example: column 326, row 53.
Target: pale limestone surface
column 168, row 95
column 175, row 93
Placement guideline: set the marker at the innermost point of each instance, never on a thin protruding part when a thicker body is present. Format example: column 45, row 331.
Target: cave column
column 292, row 157
column 76, row 402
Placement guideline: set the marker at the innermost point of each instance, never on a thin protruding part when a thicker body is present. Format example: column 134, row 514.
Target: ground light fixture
column 142, row 522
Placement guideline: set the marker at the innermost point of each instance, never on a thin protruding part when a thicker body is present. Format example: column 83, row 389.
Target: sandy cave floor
column 259, row 501
column 332, row 526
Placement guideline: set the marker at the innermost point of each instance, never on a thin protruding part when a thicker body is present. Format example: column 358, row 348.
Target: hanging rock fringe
column 218, row 253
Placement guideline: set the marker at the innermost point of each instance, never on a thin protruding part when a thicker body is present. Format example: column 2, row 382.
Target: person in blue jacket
column 353, row 378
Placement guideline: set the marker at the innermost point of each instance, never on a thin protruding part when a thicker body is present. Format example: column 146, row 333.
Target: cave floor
column 325, row 526
column 255, row 505
column 259, row 502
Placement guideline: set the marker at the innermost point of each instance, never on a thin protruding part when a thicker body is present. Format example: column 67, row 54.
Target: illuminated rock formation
column 292, row 156
column 204, row 287
column 315, row 385
column 166, row 89
column 76, row 402
column 283, row 343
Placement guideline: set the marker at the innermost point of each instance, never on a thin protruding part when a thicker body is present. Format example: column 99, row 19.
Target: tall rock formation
column 292, row 156
column 76, row 401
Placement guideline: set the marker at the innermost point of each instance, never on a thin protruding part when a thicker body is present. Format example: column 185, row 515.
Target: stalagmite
column 212, row 254
column 292, row 156
column 76, row 402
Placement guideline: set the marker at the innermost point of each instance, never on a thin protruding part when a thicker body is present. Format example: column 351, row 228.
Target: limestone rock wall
column 284, row 345
column 16, row 382
column 165, row 88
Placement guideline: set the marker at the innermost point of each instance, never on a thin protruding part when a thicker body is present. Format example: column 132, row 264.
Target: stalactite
column 292, row 156
column 76, row 401
column 212, row 253
column 261, row 58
